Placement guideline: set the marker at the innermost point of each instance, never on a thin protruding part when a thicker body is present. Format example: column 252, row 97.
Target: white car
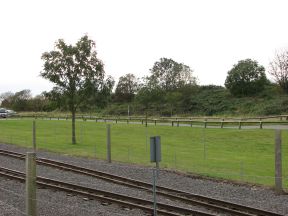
column 3, row 113
column 10, row 113
column 6, row 113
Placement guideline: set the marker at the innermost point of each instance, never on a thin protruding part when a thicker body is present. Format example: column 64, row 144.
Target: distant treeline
column 189, row 100
column 171, row 89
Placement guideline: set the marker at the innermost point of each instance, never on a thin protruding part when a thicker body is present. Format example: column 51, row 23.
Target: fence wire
column 246, row 155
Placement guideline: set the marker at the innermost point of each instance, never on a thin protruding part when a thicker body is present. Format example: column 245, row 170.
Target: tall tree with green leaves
column 76, row 71
column 246, row 78
column 170, row 75
column 126, row 88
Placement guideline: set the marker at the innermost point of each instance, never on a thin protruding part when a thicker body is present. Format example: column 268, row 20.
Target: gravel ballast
column 54, row 202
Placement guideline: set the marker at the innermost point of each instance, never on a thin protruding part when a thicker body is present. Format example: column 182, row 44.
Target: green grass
column 244, row 155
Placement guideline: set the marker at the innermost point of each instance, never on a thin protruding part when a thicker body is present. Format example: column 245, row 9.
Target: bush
column 246, row 78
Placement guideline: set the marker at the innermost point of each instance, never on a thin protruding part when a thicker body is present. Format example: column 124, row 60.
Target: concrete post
column 31, row 184
column 108, row 144
column 278, row 162
column 34, row 136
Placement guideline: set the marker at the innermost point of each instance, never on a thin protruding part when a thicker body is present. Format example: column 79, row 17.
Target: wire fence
column 246, row 155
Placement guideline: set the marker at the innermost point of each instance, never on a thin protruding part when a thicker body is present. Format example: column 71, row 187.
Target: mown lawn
column 244, row 155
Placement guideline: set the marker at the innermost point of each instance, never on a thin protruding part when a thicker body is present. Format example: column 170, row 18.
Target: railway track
column 92, row 193
column 215, row 205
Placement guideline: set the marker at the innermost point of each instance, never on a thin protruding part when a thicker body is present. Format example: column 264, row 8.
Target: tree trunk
column 73, row 128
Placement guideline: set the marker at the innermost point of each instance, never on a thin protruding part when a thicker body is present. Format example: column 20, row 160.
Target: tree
column 21, row 100
column 172, row 98
column 6, row 99
column 246, row 78
column 148, row 96
column 101, row 98
column 39, row 103
column 279, row 70
column 126, row 88
column 76, row 71
column 170, row 75
column 57, row 99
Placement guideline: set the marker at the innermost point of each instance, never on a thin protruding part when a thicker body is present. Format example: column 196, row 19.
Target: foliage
column 23, row 101
column 170, row 75
column 279, row 69
column 6, row 99
column 148, row 96
column 18, row 101
column 205, row 100
column 126, row 88
column 190, row 100
column 76, row 71
column 246, row 78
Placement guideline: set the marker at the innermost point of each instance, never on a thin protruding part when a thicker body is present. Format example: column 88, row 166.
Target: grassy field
column 244, row 155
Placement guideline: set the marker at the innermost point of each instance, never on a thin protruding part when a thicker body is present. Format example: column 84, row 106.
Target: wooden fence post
column 278, row 162
column 261, row 124
column 31, row 184
column 108, row 144
column 34, row 136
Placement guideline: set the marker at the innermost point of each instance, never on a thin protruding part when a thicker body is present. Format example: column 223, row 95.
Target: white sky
column 208, row 35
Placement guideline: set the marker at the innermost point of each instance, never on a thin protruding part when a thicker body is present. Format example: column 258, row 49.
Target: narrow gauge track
column 193, row 199
column 145, row 205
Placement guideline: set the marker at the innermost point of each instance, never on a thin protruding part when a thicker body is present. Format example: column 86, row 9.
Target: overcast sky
column 210, row 36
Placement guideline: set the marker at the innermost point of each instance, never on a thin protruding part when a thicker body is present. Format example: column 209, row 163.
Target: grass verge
column 242, row 155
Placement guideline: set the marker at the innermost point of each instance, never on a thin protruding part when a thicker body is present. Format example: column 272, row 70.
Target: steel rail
column 194, row 199
column 93, row 193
